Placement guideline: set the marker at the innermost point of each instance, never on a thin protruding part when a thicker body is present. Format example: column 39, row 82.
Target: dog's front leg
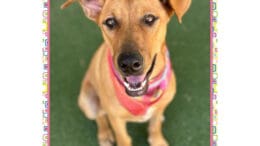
column 105, row 135
column 156, row 137
column 120, row 130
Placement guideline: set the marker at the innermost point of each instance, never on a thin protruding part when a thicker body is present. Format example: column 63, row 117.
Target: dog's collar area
column 139, row 105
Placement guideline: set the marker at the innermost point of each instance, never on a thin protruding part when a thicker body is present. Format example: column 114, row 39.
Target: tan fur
column 97, row 98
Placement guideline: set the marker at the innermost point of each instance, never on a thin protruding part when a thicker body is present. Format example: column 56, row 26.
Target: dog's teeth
column 126, row 84
column 143, row 83
column 130, row 88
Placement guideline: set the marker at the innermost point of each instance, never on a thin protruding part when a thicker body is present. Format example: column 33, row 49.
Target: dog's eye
column 110, row 23
column 149, row 19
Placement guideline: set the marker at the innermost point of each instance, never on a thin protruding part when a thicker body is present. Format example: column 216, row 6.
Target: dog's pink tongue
column 135, row 79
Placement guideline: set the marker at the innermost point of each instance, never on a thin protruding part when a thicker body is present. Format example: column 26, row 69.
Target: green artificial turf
column 74, row 39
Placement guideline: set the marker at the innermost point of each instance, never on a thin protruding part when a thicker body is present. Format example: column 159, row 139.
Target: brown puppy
column 130, row 76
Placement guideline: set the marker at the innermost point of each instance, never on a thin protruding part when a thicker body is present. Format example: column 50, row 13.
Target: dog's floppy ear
column 91, row 8
column 179, row 7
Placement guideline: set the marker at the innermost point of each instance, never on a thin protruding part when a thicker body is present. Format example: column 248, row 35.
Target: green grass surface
column 74, row 40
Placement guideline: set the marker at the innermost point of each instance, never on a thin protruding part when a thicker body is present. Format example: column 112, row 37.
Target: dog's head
column 135, row 31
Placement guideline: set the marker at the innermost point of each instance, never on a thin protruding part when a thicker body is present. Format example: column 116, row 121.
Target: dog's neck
column 157, row 85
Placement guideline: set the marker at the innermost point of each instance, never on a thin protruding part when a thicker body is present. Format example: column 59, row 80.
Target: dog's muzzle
column 134, row 80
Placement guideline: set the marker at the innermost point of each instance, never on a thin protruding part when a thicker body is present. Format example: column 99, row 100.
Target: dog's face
column 135, row 32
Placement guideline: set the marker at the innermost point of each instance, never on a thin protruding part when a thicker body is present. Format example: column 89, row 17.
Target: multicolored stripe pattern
column 214, row 72
column 45, row 72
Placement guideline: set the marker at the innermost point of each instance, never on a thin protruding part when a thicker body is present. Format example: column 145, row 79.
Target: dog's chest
column 149, row 113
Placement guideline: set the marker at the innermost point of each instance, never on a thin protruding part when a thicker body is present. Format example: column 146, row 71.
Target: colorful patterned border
column 45, row 73
column 214, row 76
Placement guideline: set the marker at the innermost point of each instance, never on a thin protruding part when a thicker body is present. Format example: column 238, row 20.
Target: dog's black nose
column 130, row 63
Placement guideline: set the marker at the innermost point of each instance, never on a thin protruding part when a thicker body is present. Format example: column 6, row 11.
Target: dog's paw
column 105, row 143
column 157, row 141
column 106, row 138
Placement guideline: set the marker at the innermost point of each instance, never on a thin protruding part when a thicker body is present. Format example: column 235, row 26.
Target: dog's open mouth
column 138, row 85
